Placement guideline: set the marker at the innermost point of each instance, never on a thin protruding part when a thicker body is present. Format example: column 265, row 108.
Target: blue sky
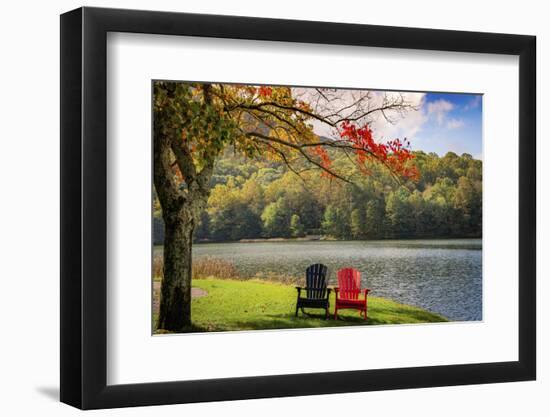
column 452, row 122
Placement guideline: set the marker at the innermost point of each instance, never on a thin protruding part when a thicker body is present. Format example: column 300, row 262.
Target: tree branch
column 299, row 149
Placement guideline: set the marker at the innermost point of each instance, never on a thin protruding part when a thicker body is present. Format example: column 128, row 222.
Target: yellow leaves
column 196, row 92
column 208, row 126
column 223, row 194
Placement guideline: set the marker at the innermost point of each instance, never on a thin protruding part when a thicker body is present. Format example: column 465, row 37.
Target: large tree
column 195, row 122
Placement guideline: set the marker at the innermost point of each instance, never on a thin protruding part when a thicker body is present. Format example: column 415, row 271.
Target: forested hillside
column 263, row 199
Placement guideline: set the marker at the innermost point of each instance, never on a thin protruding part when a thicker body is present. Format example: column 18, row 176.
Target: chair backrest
column 349, row 284
column 316, row 281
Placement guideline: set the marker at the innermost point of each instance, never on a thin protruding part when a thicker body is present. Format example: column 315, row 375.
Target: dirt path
column 195, row 293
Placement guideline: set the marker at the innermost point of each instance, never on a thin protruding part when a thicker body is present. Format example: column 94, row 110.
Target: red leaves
column 250, row 89
column 262, row 91
column 363, row 141
column 265, row 91
column 394, row 154
column 324, row 158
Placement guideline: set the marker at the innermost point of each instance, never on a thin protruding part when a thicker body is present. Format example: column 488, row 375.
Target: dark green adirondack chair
column 315, row 294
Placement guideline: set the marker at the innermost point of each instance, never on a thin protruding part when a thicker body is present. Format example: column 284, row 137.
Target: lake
column 442, row 276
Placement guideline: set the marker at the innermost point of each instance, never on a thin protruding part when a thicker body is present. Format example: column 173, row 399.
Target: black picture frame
column 84, row 207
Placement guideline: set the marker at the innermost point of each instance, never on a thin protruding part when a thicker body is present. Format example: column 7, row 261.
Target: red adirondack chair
column 348, row 292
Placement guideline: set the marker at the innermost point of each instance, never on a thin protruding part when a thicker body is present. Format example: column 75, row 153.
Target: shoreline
column 327, row 239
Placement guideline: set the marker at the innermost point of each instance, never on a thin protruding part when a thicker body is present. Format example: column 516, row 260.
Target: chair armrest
column 366, row 291
column 313, row 289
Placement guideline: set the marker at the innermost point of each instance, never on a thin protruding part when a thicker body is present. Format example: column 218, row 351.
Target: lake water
column 442, row 276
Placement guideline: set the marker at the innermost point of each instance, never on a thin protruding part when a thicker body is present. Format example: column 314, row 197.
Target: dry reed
column 202, row 268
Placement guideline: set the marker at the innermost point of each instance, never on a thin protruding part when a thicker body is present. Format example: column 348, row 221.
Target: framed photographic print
column 257, row 208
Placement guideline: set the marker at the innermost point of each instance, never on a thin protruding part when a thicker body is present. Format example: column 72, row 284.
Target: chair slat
column 349, row 284
column 316, row 294
column 316, row 281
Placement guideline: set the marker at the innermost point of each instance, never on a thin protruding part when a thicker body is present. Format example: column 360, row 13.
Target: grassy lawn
column 254, row 305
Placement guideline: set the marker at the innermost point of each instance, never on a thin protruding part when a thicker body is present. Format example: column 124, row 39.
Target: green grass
column 255, row 305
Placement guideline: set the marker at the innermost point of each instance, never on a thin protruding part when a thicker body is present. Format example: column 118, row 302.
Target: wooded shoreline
column 263, row 201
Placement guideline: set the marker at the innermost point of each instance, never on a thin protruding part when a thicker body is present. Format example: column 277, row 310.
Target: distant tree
column 336, row 222
column 399, row 214
column 468, row 202
column 420, row 221
column 443, row 187
column 233, row 211
column 253, row 194
column 296, row 226
column 276, row 219
column 203, row 228
column 330, row 221
column 374, row 219
column 358, row 226
column 246, row 223
column 235, row 221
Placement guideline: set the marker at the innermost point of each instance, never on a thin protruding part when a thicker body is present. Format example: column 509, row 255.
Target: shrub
column 209, row 266
column 202, row 268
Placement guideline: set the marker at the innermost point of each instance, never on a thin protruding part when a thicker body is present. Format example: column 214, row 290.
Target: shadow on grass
column 377, row 316
column 277, row 321
column 415, row 316
column 282, row 321
column 194, row 328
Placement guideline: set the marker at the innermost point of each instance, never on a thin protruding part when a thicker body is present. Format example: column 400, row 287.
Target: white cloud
column 393, row 123
column 439, row 109
column 455, row 123
column 405, row 124
column 473, row 103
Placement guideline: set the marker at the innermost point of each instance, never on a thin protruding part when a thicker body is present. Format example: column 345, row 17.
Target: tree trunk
column 175, row 305
column 182, row 203
column 180, row 212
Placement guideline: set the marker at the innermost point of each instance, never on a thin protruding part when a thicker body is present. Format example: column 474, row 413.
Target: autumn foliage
column 395, row 154
column 277, row 124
